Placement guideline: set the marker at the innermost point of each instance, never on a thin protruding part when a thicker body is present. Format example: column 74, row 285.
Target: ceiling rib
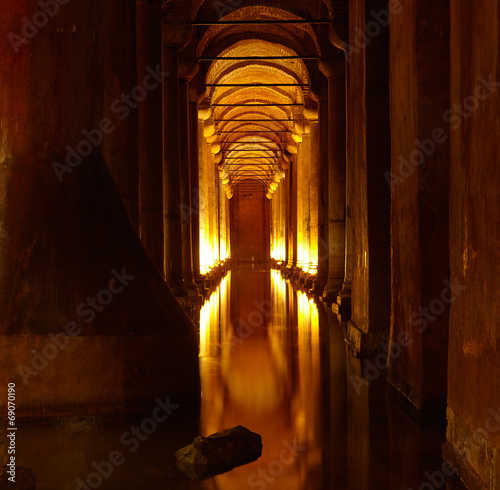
column 253, row 58
column 258, row 22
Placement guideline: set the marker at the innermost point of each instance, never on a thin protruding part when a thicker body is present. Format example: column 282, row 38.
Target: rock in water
column 219, row 452
column 24, row 479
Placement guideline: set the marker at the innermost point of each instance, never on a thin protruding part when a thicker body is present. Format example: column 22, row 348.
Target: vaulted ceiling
column 258, row 61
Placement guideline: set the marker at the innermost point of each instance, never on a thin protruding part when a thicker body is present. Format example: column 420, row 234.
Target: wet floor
column 272, row 361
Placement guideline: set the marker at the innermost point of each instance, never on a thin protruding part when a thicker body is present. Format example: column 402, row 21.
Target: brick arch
column 259, row 47
column 287, row 33
column 292, row 6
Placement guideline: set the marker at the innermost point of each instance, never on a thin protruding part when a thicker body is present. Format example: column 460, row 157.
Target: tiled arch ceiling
column 257, row 103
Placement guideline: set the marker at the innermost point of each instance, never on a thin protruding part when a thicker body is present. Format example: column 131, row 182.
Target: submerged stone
column 219, row 452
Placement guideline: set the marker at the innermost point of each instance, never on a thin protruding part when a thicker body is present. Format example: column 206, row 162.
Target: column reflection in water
column 260, row 367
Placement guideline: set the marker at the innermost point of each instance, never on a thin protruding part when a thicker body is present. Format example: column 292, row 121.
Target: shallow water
column 272, row 361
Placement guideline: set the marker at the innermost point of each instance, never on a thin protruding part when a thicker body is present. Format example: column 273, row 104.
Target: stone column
column 174, row 38
column 417, row 188
column 203, row 129
column 149, row 55
column 314, row 197
column 300, row 208
column 228, row 227
column 283, row 234
column 222, row 222
column 311, row 113
column 122, row 96
column 323, row 251
column 343, row 304
column 188, row 69
column 293, row 213
column 334, row 69
column 197, row 90
column 171, row 172
column 306, row 195
column 107, row 329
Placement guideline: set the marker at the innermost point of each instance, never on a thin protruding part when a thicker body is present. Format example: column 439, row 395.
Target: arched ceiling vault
column 258, row 76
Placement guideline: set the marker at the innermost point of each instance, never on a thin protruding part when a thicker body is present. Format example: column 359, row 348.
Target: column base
column 103, row 374
column 319, row 284
column 342, row 306
column 422, row 407
column 305, row 280
column 179, row 291
column 201, row 284
column 477, row 468
column 365, row 344
column 330, row 293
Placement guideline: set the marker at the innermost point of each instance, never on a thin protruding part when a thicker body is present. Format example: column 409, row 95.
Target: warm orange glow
column 266, row 381
column 278, row 230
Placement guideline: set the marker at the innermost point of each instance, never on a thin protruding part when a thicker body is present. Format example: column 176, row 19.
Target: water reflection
column 260, row 367
column 274, row 362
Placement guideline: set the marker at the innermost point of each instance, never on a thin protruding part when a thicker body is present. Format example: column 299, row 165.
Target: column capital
column 333, row 64
column 188, row 68
column 197, row 88
column 176, row 34
column 319, row 87
column 204, row 113
column 311, row 109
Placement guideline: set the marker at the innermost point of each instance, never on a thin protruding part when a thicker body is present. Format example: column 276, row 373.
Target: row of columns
column 183, row 207
column 312, row 202
column 318, row 242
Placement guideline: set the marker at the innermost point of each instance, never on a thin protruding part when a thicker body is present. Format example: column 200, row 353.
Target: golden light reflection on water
column 259, row 364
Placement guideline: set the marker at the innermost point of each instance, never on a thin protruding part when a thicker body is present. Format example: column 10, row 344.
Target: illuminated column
column 228, row 228
column 222, row 221
column 213, row 206
column 282, row 221
column 314, row 195
column 197, row 90
column 283, row 229
column 293, row 212
column 204, row 129
column 276, row 202
column 149, row 37
column 306, row 193
column 300, row 207
column 334, row 69
column 289, row 216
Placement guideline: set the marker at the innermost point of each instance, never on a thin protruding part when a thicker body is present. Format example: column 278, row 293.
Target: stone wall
column 474, row 358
